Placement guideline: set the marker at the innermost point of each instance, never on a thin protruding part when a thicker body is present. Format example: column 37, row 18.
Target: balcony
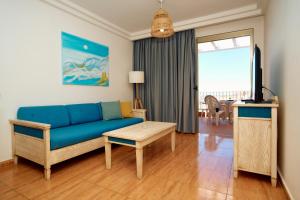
column 223, row 97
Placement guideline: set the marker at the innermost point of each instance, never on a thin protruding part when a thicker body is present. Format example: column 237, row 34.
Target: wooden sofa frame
column 38, row 150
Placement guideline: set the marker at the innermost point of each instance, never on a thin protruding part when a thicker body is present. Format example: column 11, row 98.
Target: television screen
column 253, row 76
column 257, row 95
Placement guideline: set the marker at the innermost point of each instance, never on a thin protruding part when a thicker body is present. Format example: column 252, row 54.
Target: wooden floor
column 200, row 168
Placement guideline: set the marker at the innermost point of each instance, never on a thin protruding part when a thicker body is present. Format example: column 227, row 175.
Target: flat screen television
column 256, row 93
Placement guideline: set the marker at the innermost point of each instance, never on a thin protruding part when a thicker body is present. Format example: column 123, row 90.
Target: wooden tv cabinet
column 255, row 138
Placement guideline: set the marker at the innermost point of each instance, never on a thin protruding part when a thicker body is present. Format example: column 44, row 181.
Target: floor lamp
column 137, row 77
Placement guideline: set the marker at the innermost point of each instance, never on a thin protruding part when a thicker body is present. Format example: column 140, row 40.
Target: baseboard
column 285, row 185
column 6, row 162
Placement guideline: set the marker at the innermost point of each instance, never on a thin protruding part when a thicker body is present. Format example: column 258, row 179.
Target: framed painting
column 84, row 62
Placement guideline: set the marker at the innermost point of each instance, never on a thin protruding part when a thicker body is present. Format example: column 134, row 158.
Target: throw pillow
column 111, row 110
column 126, row 109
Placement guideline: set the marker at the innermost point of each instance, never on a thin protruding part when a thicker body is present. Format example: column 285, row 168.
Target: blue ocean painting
column 84, row 62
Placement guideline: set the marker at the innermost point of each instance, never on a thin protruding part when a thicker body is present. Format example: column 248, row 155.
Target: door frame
column 229, row 35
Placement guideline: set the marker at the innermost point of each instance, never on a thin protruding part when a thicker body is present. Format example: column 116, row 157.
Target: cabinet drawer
column 254, row 112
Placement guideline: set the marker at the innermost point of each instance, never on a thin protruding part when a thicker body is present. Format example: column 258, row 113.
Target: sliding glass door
column 225, row 66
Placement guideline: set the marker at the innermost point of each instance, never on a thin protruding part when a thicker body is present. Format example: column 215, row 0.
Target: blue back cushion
column 56, row 116
column 100, row 110
column 82, row 113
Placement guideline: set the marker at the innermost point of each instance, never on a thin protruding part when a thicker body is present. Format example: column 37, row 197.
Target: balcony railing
column 224, row 95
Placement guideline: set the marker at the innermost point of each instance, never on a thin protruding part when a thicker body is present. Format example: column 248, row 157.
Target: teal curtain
column 170, row 90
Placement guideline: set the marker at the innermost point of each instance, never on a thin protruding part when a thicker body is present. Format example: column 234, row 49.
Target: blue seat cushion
column 66, row 136
column 82, row 113
column 56, row 116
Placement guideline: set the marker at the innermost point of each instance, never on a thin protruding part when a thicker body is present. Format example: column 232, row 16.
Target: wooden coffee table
column 138, row 136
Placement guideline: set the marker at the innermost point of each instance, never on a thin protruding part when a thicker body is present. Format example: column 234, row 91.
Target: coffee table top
column 141, row 131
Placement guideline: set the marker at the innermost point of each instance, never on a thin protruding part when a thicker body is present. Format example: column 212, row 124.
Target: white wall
column 282, row 26
column 30, row 64
column 257, row 23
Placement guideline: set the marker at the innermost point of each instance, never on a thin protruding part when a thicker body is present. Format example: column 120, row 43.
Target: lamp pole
column 137, row 77
column 136, row 91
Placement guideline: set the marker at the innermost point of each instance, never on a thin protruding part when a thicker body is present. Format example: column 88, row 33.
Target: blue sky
column 225, row 70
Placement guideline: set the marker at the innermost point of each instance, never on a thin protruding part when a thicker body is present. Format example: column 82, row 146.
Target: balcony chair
column 215, row 109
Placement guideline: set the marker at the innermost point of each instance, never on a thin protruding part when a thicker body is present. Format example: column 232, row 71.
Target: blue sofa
column 51, row 134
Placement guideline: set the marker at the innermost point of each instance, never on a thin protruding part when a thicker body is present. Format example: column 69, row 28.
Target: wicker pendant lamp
column 162, row 25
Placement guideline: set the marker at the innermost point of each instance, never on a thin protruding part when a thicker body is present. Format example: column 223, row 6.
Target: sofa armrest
column 42, row 145
column 30, row 124
column 140, row 113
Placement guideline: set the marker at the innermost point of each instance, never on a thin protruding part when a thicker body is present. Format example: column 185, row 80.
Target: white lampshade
column 136, row 77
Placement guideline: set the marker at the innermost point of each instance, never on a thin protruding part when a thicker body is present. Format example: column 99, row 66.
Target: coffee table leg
column 139, row 162
column 108, row 155
column 173, row 136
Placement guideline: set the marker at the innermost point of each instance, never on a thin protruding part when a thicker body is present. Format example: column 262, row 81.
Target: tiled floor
column 200, row 168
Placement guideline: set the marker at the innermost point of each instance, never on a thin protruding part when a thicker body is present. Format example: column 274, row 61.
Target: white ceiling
column 136, row 15
column 131, row 19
